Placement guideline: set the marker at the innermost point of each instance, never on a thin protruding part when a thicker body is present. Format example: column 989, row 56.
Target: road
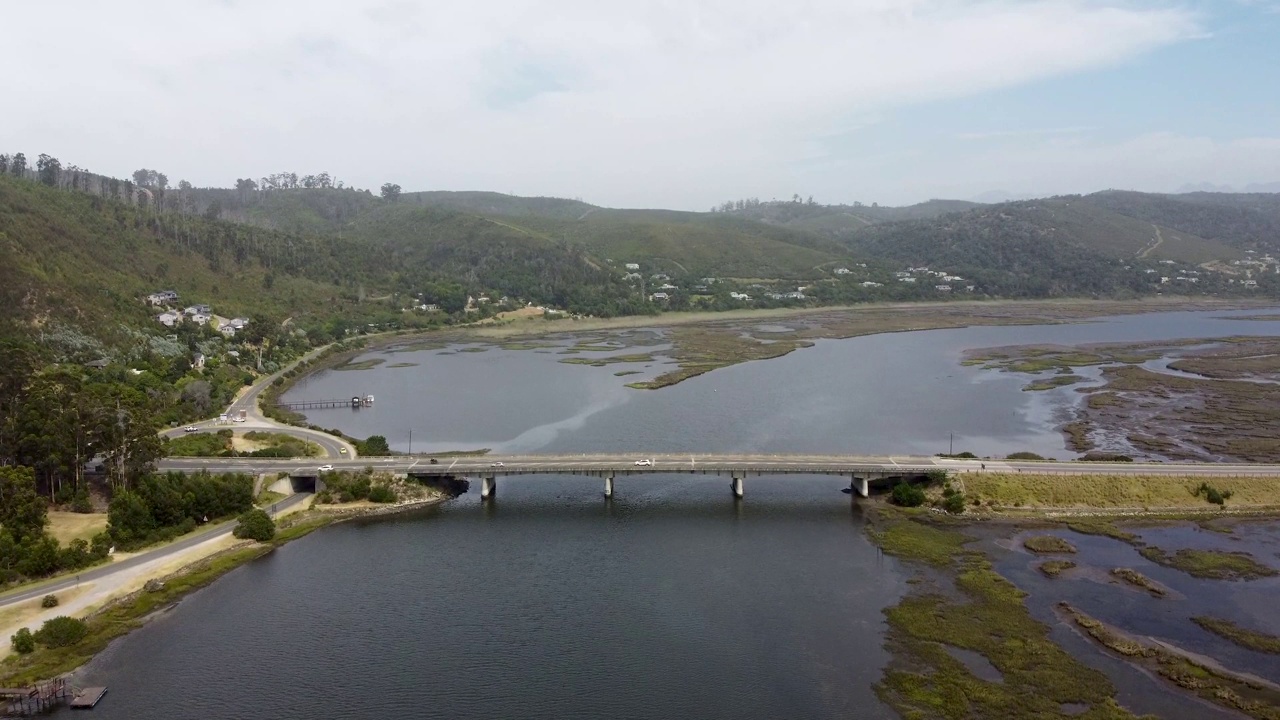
column 625, row 464
column 159, row 553
column 333, row 447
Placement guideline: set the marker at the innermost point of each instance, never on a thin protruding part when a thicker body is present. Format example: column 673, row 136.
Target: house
column 862, row 265
column 701, row 288
column 668, row 286
column 871, row 284
column 1164, row 280
column 98, row 364
column 169, row 319
column 1251, row 283
column 951, row 278
column 969, row 288
column 632, row 276
column 842, row 271
column 774, row 296
column 201, row 318
column 238, row 323
column 906, row 279
column 659, row 277
column 660, row 296
column 197, row 361
column 902, row 274
column 709, row 281
column 199, row 310
column 632, row 266
column 797, row 295
column 163, row 297
column 942, row 288
column 739, row 296
column 227, row 330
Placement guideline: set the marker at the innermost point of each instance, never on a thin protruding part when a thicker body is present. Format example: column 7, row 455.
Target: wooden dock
column 38, row 699
column 87, row 698
column 357, row 401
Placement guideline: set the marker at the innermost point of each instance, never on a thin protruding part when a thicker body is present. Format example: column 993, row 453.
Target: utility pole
column 951, row 447
column 410, row 441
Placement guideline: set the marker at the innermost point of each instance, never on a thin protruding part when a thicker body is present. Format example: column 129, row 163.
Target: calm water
column 672, row 600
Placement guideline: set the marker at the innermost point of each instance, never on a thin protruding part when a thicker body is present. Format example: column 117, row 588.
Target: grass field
column 68, row 526
column 1025, row 490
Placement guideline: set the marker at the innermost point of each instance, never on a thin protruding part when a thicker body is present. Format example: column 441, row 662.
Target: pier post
column 737, row 486
column 488, row 487
column 859, row 486
column 608, row 486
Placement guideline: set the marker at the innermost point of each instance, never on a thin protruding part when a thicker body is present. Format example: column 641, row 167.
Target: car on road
column 326, row 468
column 191, row 428
column 435, row 461
column 342, row 450
column 644, row 463
column 497, row 464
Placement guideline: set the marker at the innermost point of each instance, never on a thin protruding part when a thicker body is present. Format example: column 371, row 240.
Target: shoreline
column 880, row 318
column 123, row 614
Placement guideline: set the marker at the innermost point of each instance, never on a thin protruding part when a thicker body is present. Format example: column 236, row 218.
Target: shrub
column 907, row 495
column 1024, row 456
column 1213, row 494
column 49, row 601
column 81, row 503
column 382, row 494
column 61, row 631
column 23, row 642
column 936, row 477
column 954, row 503
column 255, row 525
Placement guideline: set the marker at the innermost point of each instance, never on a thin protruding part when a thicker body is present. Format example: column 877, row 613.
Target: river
column 672, row 600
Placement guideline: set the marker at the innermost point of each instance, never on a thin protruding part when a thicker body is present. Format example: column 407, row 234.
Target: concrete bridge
column 862, row 471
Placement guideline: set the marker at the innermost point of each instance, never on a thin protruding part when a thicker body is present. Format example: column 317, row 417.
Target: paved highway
column 101, row 571
column 628, row 464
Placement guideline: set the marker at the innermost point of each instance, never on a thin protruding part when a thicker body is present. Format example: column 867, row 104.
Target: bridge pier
column 859, row 485
column 737, row 486
column 608, row 486
column 488, row 487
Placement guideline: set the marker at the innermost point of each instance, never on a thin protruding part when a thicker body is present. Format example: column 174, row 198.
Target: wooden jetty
column 40, row 698
column 88, row 697
column 355, row 401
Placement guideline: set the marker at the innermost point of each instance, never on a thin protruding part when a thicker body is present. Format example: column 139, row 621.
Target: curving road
column 333, row 447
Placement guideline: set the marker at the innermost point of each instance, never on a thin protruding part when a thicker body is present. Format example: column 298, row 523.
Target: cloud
column 653, row 102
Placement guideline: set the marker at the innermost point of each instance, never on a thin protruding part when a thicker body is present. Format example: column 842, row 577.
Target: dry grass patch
column 1048, row 544
column 1025, row 490
column 68, row 526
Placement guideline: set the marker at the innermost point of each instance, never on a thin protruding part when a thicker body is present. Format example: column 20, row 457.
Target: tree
column 23, row 642
column 18, row 166
column 61, row 632
column 255, row 524
column 48, row 170
column 390, row 191
column 22, row 511
column 128, row 518
column 375, row 445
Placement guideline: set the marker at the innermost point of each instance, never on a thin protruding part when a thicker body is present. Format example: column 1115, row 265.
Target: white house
column 797, row 295
column 1251, row 283
column 169, row 319
column 199, row 310
column 870, row 283
column 739, row 296
column 660, row 296
column 632, row 266
column 200, row 319
column 906, row 279
column 668, row 286
column 842, row 271
column 902, row 274
column 238, row 323
column 163, row 297
column 227, row 330
column 969, row 288
column 632, row 276
column 942, row 288
column 659, row 277
column 197, row 361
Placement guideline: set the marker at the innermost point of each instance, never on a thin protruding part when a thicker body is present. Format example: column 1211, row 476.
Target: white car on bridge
column 326, row 468
column 644, row 463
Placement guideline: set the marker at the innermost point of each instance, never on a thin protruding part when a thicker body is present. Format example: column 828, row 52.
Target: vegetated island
column 1198, row 399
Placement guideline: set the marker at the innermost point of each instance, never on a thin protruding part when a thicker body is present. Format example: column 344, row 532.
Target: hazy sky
column 679, row 103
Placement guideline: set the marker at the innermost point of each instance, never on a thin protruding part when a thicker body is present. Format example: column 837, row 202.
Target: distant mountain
column 1000, row 196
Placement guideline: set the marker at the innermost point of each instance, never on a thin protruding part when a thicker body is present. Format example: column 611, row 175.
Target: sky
column 657, row 103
